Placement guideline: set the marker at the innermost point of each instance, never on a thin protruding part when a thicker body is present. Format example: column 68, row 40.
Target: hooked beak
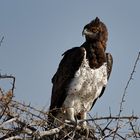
column 86, row 32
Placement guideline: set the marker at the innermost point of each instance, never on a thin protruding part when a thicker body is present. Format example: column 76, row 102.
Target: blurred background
column 37, row 32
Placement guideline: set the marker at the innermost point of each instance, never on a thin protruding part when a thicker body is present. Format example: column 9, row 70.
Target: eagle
column 82, row 75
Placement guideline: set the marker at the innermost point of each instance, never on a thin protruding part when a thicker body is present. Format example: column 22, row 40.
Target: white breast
column 85, row 87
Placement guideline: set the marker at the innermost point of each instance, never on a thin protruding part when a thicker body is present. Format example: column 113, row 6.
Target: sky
column 37, row 32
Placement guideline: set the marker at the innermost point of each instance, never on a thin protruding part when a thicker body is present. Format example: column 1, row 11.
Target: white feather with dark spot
column 85, row 87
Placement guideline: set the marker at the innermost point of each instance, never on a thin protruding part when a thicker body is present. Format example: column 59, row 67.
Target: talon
column 84, row 131
column 70, row 122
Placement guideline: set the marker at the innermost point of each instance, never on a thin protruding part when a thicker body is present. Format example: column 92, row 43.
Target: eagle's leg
column 85, row 129
column 70, row 113
column 84, row 117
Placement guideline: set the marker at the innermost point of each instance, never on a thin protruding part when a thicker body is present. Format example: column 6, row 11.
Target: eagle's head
column 95, row 31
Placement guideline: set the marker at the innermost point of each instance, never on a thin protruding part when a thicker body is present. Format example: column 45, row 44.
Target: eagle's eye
column 95, row 29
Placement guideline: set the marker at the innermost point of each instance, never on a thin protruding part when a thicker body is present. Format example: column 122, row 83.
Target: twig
column 8, row 121
column 111, row 132
column 128, row 82
column 1, row 40
column 131, row 124
column 125, row 91
column 51, row 131
column 9, row 77
column 14, row 138
column 112, row 118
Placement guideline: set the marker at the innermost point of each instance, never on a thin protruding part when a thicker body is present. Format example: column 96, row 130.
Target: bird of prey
column 82, row 75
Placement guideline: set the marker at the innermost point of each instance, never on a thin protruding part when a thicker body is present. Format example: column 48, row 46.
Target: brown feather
column 68, row 66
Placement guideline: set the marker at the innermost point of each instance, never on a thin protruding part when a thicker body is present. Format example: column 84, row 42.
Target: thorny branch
column 125, row 91
column 9, row 77
column 128, row 82
column 20, row 120
column 1, row 40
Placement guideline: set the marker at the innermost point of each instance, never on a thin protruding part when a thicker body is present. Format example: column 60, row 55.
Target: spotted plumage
column 82, row 75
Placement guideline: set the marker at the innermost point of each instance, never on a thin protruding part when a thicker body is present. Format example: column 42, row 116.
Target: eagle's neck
column 95, row 53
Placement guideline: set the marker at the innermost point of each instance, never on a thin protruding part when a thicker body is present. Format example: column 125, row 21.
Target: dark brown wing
column 109, row 60
column 68, row 66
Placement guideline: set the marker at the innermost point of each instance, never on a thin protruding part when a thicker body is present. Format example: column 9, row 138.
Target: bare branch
column 125, row 91
column 14, row 138
column 9, row 77
column 132, row 126
column 51, row 131
column 1, row 41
